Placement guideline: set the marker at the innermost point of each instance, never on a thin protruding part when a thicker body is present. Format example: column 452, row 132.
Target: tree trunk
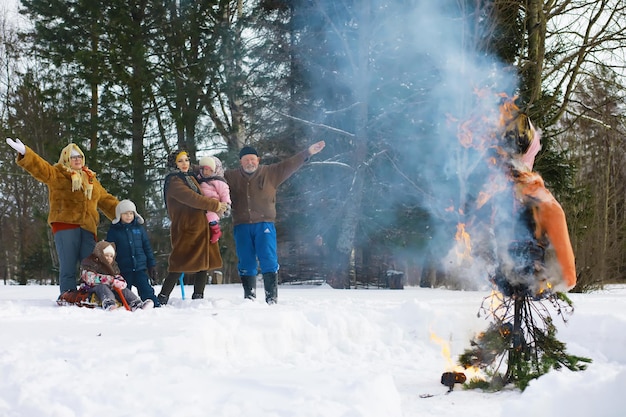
column 343, row 267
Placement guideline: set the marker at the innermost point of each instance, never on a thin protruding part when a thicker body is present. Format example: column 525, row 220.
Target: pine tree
column 520, row 344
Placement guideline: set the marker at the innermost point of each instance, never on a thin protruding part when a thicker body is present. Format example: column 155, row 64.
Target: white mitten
column 17, row 145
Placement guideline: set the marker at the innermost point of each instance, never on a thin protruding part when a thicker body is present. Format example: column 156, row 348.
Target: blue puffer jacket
column 134, row 252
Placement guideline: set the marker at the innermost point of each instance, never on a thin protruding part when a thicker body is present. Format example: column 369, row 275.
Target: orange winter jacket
column 549, row 220
column 67, row 206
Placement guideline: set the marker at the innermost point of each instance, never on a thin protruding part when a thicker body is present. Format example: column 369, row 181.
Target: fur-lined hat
column 207, row 161
column 123, row 207
column 103, row 245
column 97, row 262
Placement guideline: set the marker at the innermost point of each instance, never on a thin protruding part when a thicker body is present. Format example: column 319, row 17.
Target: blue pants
column 141, row 280
column 73, row 245
column 256, row 246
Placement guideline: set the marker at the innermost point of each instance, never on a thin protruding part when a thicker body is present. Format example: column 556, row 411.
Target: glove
column 222, row 209
column 152, row 273
column 119, row 283
column 17, row 145
column 227, row 212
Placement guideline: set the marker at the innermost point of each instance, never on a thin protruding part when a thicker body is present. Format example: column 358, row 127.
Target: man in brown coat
column 253, row 193
column 192, row 252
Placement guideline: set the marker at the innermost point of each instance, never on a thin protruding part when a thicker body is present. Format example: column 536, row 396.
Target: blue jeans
column 73, row 245
column 256, row 241
column 141, row 280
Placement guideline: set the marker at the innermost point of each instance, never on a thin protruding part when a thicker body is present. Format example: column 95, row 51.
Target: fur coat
column 67, row 206
column 189, row 229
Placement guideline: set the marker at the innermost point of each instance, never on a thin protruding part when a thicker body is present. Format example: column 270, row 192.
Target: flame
column 508, row 109
column 464, row 248
column 445, row 351
column 493, row 188
column 472, row 372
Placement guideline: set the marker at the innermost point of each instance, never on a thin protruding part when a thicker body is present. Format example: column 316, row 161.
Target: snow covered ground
column 319, row 352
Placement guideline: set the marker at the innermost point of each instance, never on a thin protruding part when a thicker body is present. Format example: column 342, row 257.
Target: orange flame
column 464, row 241
column 471, row 372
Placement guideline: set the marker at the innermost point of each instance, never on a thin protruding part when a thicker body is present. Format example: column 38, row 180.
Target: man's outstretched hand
column 316, row 147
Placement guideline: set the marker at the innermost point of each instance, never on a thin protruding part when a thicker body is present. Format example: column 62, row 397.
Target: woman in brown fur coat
column 192, row 252
column 74, row 195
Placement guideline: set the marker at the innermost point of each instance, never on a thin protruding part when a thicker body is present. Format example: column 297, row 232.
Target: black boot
column 168, row 286
column 249, row 287
column 270, row 282
column 163, row 299
column 199, row 282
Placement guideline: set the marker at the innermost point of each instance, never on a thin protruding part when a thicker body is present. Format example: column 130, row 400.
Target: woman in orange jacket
column 75, row 196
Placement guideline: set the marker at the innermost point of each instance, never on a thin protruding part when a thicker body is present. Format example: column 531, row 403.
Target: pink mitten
column 119, row 283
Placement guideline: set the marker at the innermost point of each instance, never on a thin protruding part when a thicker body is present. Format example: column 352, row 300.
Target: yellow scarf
column 82, row 179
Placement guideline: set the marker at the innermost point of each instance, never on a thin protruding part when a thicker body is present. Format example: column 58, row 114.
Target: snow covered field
column 319, row 352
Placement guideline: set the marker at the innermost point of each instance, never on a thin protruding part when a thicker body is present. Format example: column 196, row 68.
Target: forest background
column 378, row 80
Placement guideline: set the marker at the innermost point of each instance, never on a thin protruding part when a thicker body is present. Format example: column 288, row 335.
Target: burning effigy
column 517, row 233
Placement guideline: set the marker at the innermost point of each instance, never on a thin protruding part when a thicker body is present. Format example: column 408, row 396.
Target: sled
column 81, row 298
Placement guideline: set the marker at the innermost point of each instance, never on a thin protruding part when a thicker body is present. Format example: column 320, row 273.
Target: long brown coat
column 189, row 229
column 67, row 206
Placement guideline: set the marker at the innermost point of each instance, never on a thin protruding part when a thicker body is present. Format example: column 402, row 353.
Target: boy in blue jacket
column 134, row 252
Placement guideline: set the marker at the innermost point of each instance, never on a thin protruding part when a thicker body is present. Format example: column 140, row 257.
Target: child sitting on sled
column 100, row 275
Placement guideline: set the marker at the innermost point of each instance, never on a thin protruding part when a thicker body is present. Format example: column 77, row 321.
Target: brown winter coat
column 254, row 195
column 67, row 206
column 189, row 230
column 96, row 262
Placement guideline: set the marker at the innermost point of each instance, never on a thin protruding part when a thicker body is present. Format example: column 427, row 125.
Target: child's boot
column 135, row 304
column 216, row 232
column 109, row 304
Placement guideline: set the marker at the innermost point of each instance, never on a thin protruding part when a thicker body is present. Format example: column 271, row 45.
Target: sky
column 318, row 352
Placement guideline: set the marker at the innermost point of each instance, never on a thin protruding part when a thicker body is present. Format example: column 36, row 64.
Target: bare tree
column 598, row 208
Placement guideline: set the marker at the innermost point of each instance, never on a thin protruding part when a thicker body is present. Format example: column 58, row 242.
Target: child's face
column 127, row 217
column 109, row 257
column 206, row 171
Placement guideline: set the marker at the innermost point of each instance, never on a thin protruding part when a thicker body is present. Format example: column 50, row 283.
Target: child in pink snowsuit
column 213, row 184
